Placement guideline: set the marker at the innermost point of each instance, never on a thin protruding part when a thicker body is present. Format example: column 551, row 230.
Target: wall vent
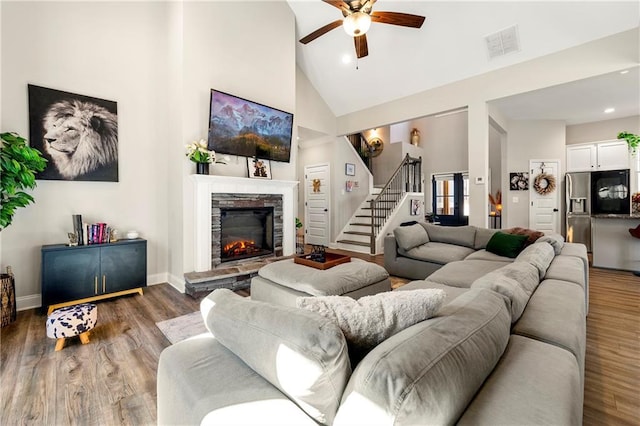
column 503, row 42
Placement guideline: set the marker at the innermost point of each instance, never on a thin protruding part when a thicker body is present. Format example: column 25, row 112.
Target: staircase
column 363, row 229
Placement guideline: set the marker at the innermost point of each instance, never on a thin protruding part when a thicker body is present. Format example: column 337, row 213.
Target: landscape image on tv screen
column 241, row 127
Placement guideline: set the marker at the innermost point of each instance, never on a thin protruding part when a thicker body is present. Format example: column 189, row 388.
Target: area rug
column 183, row 327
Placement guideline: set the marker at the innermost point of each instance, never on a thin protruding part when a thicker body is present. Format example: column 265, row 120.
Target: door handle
column 95, row 285
column 326, row 210
column 555, row 210
column 104, row 283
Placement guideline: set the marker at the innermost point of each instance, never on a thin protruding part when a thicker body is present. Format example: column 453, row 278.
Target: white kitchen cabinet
column 581, row 158
column 612, row 155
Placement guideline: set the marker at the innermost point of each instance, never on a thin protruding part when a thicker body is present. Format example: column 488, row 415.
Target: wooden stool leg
column 84, row 337
column 59, row 344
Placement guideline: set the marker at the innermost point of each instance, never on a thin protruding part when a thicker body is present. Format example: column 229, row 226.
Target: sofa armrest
column 390, row 247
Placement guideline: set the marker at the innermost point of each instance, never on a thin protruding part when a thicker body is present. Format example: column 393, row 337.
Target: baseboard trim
column 160, row 278
column 28, row 302
column 176, row 282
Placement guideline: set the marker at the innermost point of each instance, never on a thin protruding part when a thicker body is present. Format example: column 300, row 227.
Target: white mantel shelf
column 202, row 186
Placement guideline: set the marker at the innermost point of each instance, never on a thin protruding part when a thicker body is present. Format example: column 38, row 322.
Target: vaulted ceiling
column 451, row 46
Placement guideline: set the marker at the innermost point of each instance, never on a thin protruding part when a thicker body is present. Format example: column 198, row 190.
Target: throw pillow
column 531, row 234
column 412, row 236
column 507, row 245
column 301, row 353
column 372, row 319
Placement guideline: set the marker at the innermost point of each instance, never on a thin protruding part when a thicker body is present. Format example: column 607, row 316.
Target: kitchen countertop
column 616, row 216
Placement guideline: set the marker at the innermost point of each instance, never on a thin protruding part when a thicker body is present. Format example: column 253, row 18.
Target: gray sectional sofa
column 507, row 347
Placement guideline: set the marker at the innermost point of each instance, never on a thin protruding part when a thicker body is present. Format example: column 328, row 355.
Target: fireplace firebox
column 246, row 232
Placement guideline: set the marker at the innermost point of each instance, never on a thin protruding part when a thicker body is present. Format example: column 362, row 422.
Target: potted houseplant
column 632, row 140
column 299, row 237
column 19, row 163
column 199, row 153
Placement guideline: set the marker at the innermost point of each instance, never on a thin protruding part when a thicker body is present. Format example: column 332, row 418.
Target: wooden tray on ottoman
column 331, row 260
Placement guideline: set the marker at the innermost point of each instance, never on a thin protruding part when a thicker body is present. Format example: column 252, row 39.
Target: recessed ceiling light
column 609, row 110
column 346, row 58
column 624, row 72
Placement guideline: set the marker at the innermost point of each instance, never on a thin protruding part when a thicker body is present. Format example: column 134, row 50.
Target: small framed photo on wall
column 519, row 181
column 415, row 207
column 258, row 169
column 350, row 169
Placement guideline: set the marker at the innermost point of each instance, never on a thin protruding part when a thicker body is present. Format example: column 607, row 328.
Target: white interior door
column 544, row 195
column 317, row 193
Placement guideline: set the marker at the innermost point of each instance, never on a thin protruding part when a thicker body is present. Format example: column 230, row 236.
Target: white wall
column 115, row 51
column 531, row 140
column 602, row 130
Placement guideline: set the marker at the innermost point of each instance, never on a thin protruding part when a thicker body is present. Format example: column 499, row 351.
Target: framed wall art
column 349, row 169
column 259, row 169
column 519, row 181
column 77, row 134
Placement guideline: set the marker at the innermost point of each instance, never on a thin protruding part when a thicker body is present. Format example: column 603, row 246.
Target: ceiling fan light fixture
column 357, row 23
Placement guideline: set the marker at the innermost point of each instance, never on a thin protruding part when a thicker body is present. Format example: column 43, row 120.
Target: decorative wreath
column 544, row 184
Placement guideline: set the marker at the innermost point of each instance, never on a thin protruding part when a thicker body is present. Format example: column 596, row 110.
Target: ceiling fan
column 358, row 16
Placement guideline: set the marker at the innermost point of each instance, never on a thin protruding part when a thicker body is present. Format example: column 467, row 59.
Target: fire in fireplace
column 245, row 232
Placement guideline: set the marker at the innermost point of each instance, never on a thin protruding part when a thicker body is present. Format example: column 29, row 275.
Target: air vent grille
column 503, row 42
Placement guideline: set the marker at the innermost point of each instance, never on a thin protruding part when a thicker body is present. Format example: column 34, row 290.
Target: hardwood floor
column 111, row 380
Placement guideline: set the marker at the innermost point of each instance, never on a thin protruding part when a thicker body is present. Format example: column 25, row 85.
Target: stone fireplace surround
column 204, row 188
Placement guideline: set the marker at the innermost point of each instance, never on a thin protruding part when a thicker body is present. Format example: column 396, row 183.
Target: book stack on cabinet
column 94, row 233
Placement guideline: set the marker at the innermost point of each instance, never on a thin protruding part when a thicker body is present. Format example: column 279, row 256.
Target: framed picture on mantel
column 258, row 169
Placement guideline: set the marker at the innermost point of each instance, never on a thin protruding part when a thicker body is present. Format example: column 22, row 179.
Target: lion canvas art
column 78, row 135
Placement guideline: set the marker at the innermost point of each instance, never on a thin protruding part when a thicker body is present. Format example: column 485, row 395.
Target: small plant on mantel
column 632, row 140
column 18, row 163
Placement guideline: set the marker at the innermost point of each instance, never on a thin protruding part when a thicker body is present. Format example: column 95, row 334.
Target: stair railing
column 406, row 178
column 363, row 148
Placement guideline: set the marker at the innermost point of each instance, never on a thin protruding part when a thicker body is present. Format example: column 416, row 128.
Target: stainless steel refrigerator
column 578, row 190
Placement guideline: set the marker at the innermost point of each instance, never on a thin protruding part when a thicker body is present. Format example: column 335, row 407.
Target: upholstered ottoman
column 72, row 321
column 283, row 282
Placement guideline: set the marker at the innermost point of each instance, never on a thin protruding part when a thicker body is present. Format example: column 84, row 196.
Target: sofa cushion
column 483, row 235
column 556, row 315
column 483, row 254
column 372, row 319
column 539, row 255
column 533, row 381
column 428, row 373
column 506, row 244
column 186, row 372
column 463, row 273
column 437, row 252
column 556, row 241
column 300, row 352
column 450, row 292
column 515, row 282
column 411, row 236
column 567, row 268
column 459, row 235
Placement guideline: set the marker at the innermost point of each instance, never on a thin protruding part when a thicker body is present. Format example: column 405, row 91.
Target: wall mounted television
column 241, row 127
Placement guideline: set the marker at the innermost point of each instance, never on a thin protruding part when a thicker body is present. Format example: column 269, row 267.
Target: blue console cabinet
column 79, row 274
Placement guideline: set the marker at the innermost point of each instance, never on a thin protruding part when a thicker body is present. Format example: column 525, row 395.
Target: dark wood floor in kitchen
column 112, row 380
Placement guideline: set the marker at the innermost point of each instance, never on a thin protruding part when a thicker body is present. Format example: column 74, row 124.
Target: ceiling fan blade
column 321, row 31
column 338, row 3
column 362, row 49
column 395, row 18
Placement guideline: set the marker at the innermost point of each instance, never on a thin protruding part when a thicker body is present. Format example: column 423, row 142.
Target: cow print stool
column 72, row 321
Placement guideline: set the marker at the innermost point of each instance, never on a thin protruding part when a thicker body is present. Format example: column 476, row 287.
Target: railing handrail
column 407, row 159
column 407, row 168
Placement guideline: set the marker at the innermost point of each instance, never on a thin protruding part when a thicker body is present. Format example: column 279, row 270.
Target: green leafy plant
column 298, row 223
column 18, row 164
column 632, row 140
